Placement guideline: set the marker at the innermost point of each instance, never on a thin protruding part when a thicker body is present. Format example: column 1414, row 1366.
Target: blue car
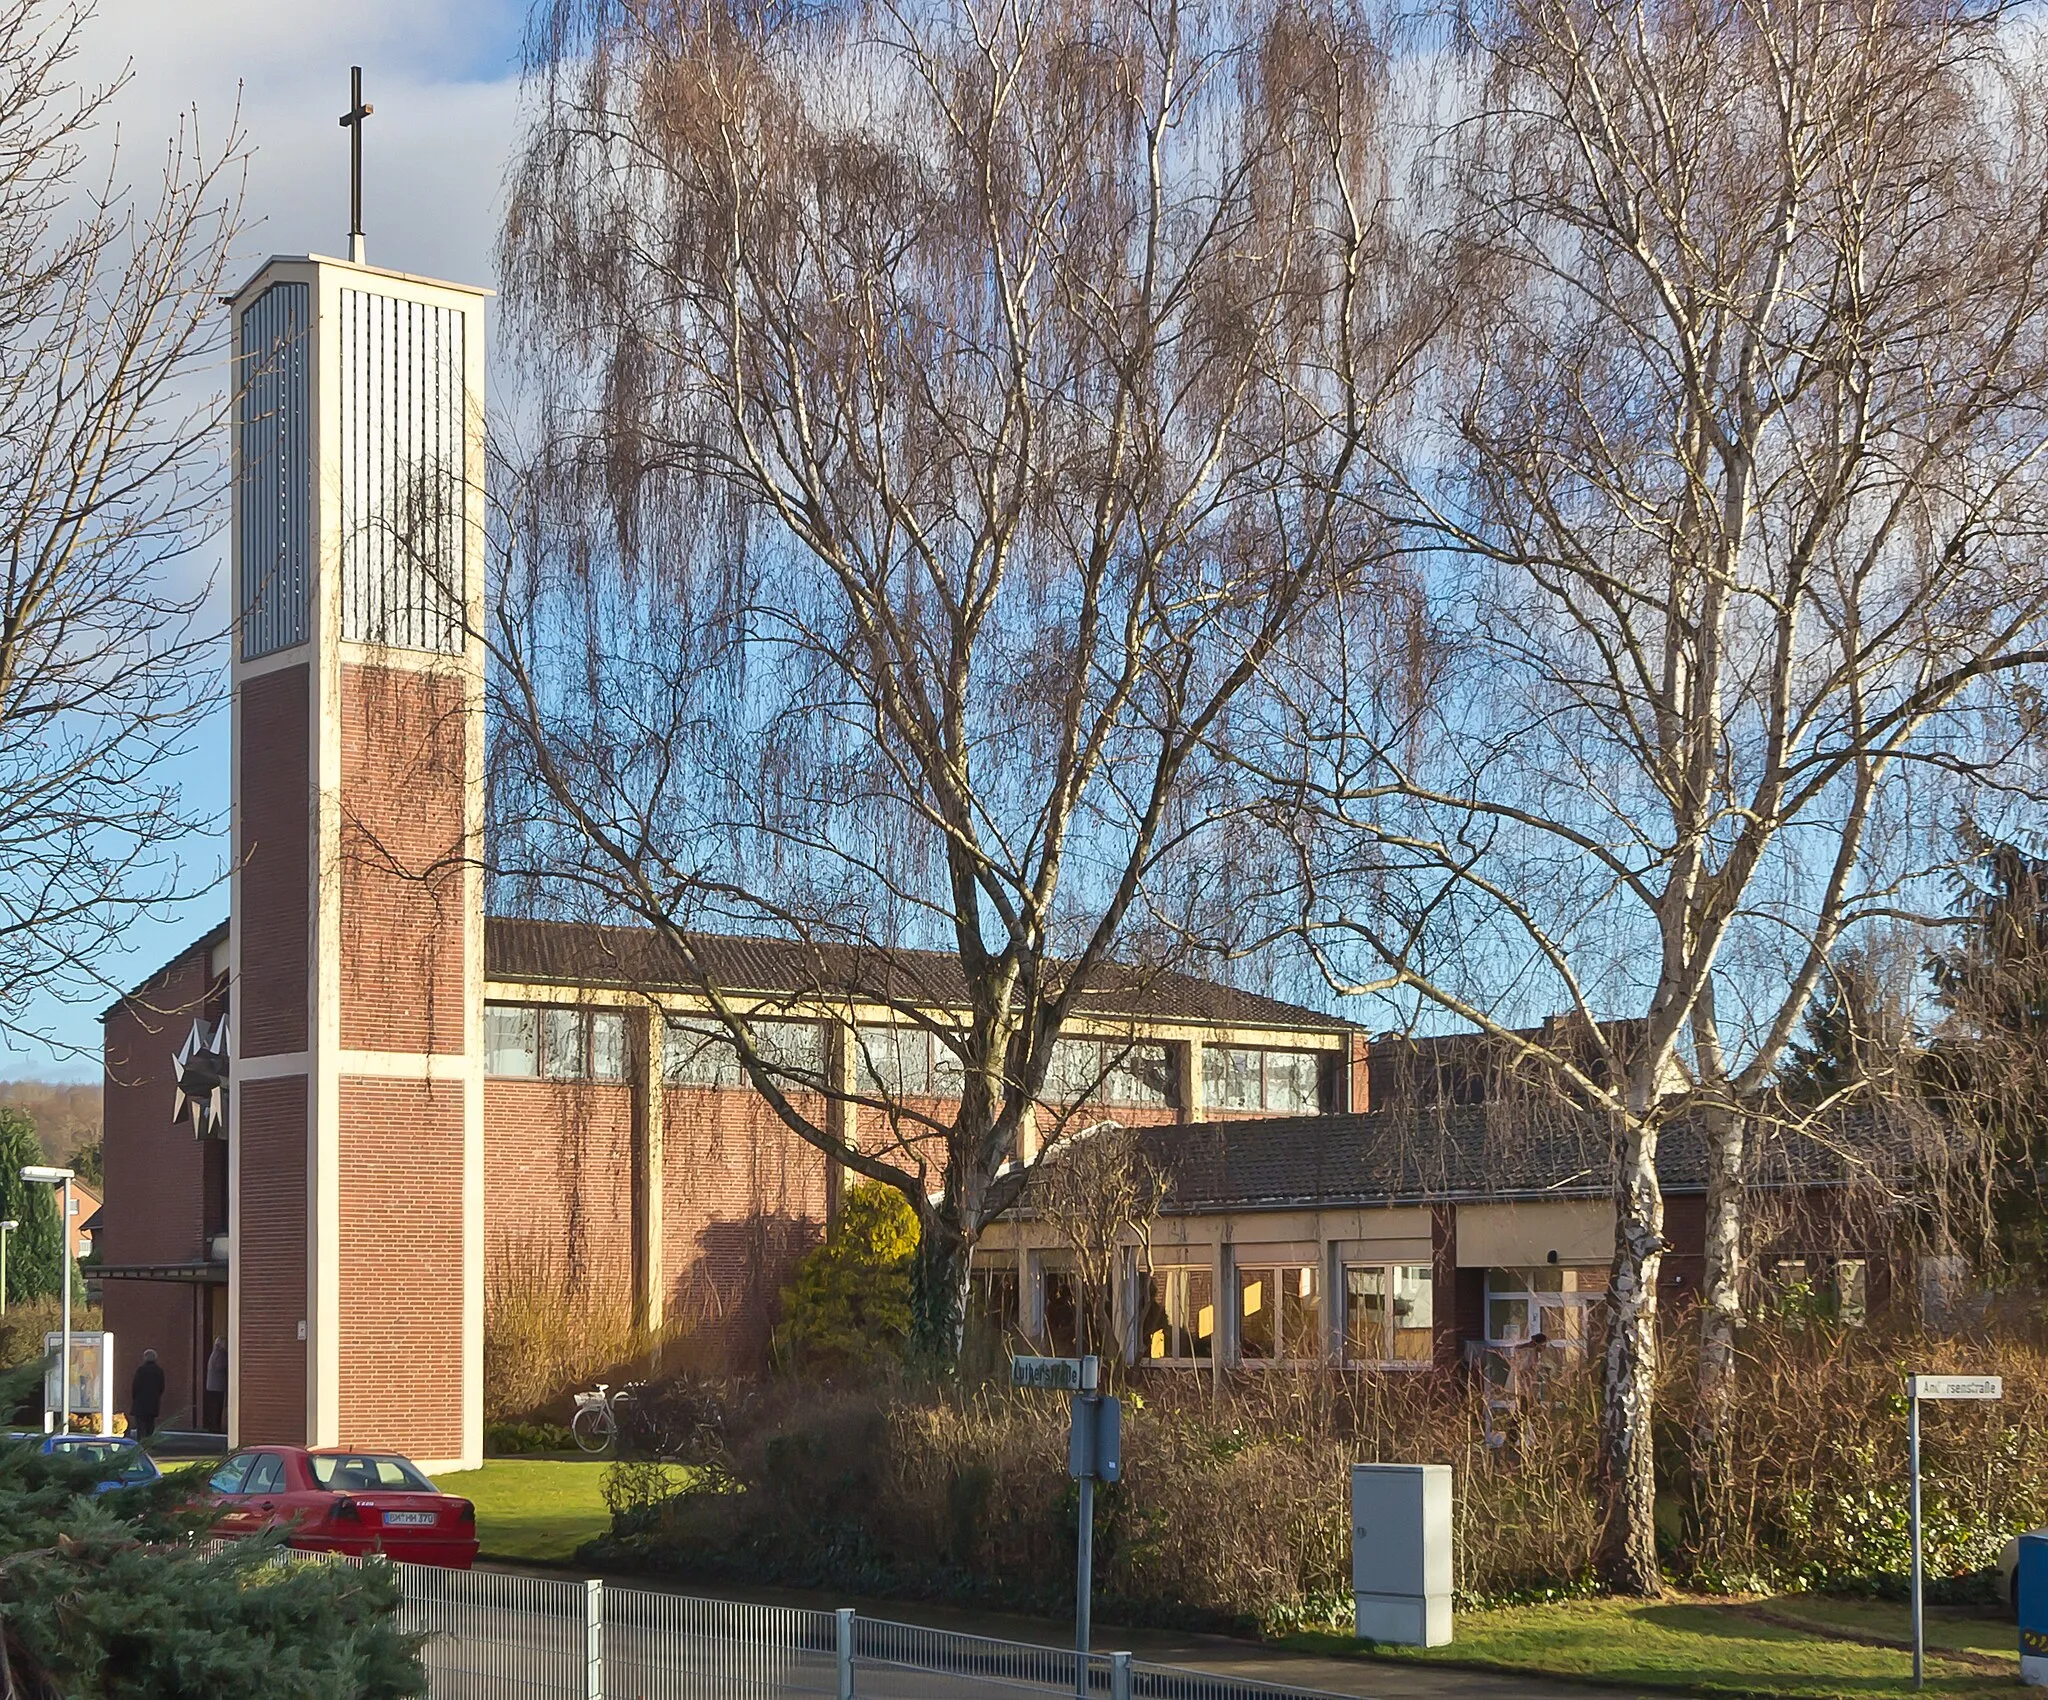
column 126, row 1464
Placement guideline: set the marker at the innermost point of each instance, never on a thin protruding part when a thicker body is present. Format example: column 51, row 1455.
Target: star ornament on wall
column 201, row 1066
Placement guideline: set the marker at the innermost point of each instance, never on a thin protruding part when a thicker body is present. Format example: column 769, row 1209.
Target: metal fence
column 499, row 1635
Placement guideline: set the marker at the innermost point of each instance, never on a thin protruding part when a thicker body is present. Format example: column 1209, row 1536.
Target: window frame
column 944, row 1077
column 1284, row 1331
column 1539, row 1295
column 540, row 1019
column 1390, row 1270
column 1102, row 1073
column 1319, row 1061
column 1181, row 1272
column 718, row 1040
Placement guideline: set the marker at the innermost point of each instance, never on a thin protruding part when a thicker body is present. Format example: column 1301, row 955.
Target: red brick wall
column 271, row 1251
column 165, row 1193
column 558, row 1179
column 274, row 846
column 400, row 1353
column 402, row 764
column 744, row 1199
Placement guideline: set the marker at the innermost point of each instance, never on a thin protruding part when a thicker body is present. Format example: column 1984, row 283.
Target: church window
column 563, row 1038
column 907, row 1062
column 608, row 1045
column 1250, row 1077
column 1108, row 1071
column 700, row 1052
column 512, row 1041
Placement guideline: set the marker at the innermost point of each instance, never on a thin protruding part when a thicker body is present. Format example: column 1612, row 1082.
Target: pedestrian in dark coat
column 145, row 1397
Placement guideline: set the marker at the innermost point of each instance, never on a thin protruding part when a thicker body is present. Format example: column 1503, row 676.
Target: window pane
column 1294, row 1082
column 1852, row 1291
column 1141, row 1075
column 1201, row 1313
column 1158, row 1331
column 1230, row 1078
column 1071, row 1073
column 1301, row 1313
column 699, row 1053
column 1365, row 1314
column 1062, row 1313
column 894, row 1061
column 949, row 1076
column 228, row 1478
column 1257, row 1314
column 1414, row 1314
column 1507, row 1321
column 512, row 1041
column 792, row 1048
column 607, row 1045
column 561, row 1049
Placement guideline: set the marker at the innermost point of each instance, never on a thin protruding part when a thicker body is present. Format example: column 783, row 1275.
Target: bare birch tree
column 1729, row 538
column 946, row 411
column 110, row 456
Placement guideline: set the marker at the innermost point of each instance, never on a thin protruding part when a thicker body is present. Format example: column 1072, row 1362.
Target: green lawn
column 537, row 1510
column 1885, row 1620
column 1696, row 1646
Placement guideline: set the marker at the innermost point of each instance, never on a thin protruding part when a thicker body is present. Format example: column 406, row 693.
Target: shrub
column 1233, row 1510
column 506, row 1440
column 850, row 1304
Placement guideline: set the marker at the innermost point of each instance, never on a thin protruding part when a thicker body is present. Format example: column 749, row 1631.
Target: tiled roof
column 1470, row 1152
column 572, row 953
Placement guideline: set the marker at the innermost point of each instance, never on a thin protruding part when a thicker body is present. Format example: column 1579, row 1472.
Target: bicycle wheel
column 592, row 1427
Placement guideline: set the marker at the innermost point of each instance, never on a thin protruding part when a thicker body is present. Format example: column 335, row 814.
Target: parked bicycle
column 596, row 1422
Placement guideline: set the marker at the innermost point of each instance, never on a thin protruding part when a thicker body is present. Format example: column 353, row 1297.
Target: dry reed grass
column 551, row 1329
column 1233, row 1510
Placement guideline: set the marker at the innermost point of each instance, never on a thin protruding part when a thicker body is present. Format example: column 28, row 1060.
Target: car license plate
column 408, row 1519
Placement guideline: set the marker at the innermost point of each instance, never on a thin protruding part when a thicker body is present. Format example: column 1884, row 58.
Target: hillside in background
column 66, row 1113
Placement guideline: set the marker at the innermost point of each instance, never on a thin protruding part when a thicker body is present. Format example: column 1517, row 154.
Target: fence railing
column 504, row 1635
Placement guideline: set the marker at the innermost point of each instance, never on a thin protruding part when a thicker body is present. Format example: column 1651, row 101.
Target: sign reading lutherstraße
column 1958, row 1387
column 1057, row 1375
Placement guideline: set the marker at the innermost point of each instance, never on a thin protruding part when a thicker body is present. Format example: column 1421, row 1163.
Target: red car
column 337, row 1500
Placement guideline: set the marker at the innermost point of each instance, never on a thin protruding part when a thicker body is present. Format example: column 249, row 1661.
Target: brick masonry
column 402, row 921
column 166, row 1190
column 401, row 1266
column 558, row 1182
column 271, row 1251
column 744, row 1199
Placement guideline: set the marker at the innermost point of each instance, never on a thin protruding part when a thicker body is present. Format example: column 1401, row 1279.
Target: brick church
column 408, row 1088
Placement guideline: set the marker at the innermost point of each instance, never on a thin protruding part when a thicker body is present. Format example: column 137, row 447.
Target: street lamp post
column 7, row 1227
column 61, row 1179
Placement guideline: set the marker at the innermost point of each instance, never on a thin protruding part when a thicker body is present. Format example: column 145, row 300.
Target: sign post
column 1919, row 1387
column 1095, row 1452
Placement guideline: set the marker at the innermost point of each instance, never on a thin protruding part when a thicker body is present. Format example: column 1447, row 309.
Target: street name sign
column 1958, row 1387
column 1054, row 1375
column 1920, row 1388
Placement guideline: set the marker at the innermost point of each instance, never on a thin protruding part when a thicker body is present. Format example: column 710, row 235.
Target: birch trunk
column 1629, row 1394
column 1720, row 1307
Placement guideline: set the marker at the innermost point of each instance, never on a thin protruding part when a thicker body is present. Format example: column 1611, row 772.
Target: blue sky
column 443, row 76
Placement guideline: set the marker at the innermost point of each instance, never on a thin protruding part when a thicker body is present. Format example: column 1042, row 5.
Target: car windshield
column 128, row 1463
column 364, row 1472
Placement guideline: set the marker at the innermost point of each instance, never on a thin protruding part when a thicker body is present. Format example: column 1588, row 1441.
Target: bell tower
column 356, row 1102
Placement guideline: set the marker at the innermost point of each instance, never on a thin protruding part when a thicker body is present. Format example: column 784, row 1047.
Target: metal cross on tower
column 352, row 122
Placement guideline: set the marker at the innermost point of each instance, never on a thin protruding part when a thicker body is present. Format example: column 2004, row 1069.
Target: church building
column 327, row 1117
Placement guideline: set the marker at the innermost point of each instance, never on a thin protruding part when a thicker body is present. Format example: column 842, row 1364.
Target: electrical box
column 2030, row 1602
column 1401, row 1553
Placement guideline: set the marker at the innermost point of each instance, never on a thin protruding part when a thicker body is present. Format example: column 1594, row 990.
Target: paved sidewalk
column 1371, row 1679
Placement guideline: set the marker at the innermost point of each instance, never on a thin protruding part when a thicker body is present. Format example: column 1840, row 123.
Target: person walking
column 217, row 1386
column 145, row 1397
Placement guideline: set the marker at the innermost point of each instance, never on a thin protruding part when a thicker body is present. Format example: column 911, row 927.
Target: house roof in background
column 1472, row 1152
column 573, row 953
